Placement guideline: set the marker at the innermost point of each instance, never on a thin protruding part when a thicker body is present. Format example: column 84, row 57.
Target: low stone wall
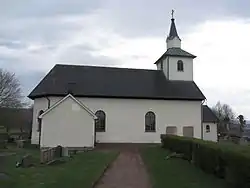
column 47, row 155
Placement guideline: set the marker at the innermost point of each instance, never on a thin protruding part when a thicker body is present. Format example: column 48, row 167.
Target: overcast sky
column 35, row 35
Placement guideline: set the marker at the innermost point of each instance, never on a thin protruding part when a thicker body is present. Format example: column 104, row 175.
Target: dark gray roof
column 91, row 81
column 208, row 115
column 173, row 31
column 177, row 52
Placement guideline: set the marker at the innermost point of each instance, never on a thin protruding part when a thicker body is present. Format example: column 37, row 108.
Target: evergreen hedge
column 228, row 161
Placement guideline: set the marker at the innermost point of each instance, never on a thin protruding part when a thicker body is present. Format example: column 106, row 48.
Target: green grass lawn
column 176, row 173
column 79, row 172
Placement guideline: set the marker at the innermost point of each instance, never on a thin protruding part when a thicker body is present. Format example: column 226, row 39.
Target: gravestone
column 65, row 152
column 58, row 151
column 20, row 143
column 243, row 141
column 4, row 176
column 26, row 161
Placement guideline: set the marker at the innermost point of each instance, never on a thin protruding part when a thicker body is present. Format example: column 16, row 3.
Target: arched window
column 150, row 122
column 180, row 66
column 39, row 121
column 100, row 122
column 207, row 128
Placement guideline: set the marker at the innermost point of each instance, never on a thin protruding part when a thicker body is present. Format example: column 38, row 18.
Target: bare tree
column 225, row 115
column 242, row 123
column 10, row 90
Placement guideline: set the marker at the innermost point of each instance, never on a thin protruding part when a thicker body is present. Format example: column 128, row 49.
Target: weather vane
column 172, row 13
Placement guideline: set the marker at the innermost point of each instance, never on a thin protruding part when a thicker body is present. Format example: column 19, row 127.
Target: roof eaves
column 174, row 55
column 31, row 93
column 177, row 55
column 126, row 97
column 210, row 121
column 157, row 61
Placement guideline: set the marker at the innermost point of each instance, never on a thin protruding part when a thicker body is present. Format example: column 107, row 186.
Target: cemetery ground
column 82, row 170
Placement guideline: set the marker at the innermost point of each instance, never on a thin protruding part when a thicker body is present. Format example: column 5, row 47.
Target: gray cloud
column 77, row 55
column 150, row 18
column 40, row 9
column 36, row 34
column 29, row 80
column 11, row 44
column 40, row 20
column 239, row 105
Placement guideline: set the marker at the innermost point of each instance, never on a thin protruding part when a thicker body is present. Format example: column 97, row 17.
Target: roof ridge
column 106, row 67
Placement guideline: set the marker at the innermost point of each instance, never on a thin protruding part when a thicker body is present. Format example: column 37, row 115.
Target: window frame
column 151, row 127
column 99, row 127
column 180, row 66
column 208, row 129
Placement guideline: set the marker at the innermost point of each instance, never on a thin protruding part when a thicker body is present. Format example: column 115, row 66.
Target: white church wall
column 212, row 134
column 187, row 74
column 171, row 72
column 125, row 118
column 40, row 104
column 174, row 43
column 68, row 125
column 165, row 67
column 158, row 66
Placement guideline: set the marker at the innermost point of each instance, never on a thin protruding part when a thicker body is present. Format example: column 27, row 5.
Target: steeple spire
column 173, row 31
column 173, row 39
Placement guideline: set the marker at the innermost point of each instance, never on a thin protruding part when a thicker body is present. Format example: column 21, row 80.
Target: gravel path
column 127, row 171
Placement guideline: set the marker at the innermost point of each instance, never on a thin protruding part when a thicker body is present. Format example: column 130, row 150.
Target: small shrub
column 179, row 145
column 228, row 161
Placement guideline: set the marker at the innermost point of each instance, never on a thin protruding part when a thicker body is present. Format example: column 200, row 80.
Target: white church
column 80, row 106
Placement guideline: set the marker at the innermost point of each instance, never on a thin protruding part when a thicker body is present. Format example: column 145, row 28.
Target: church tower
column 176, row 63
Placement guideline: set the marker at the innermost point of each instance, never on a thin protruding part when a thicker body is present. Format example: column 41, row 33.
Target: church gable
column 72, row 102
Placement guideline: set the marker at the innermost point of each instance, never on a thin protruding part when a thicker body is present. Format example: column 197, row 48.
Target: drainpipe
column 202, row 118
column 168, row 68
column 48, row 102
column 40, row 122
column 40, row 127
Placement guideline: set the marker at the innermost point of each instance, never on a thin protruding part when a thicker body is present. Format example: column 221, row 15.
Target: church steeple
column 173, row 39
column 176, row 63
column 173, row 32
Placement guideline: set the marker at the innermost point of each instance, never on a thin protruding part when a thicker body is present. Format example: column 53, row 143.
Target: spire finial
column 173, row 30
column 172, row 13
